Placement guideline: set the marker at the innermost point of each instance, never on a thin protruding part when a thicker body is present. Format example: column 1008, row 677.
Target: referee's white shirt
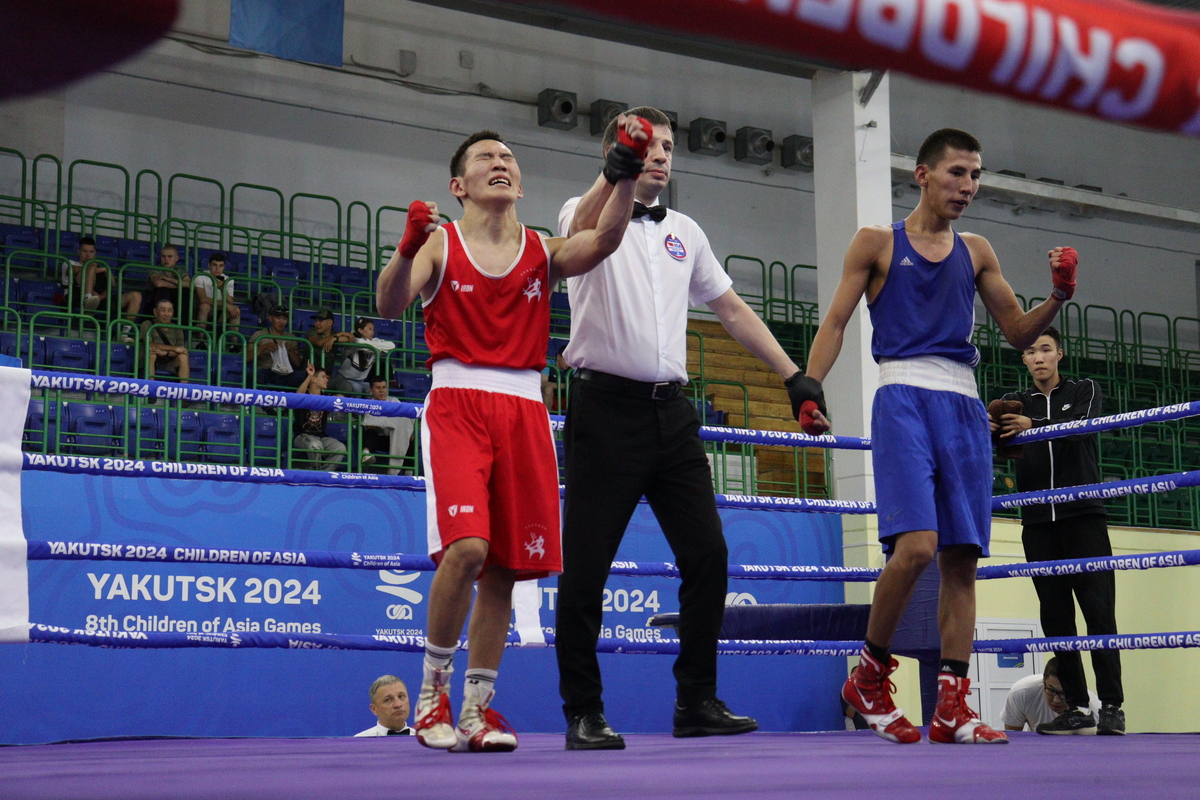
column 381, row 730
column 629, row 315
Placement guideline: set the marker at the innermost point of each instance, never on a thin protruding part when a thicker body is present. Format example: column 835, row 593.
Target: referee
column 1079, row 529
column 630, row 431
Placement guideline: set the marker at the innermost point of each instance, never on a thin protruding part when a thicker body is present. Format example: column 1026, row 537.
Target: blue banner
column 298, row 30
column 210, row 691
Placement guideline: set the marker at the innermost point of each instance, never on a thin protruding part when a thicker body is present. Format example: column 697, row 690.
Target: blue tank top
column 926, row 308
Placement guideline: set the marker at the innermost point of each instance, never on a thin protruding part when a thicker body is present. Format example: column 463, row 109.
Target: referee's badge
column 675, row 247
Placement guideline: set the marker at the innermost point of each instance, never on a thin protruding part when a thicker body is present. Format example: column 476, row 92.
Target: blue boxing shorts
column 932, row 453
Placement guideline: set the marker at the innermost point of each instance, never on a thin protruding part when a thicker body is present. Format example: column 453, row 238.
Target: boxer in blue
column 930, row 436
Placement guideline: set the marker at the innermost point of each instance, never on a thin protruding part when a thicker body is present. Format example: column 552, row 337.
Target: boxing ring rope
column 50, row 634
column 653, row 644
column 327, row 559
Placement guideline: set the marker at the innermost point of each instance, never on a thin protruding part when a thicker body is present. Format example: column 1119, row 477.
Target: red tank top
column 490, row 320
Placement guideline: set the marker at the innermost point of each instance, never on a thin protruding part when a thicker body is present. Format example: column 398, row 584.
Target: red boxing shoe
column 482, row 730
column 434, row 722
column 869, row 690
column 954, row 722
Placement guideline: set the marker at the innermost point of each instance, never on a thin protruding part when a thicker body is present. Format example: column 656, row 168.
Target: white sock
column 437, row 658
column 479, row 686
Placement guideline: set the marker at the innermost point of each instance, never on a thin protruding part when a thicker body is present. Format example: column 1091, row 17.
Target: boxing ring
column 654, row 765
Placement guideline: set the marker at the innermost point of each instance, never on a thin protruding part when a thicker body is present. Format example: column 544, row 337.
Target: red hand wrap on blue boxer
column 807, row 398
column 1064, row 274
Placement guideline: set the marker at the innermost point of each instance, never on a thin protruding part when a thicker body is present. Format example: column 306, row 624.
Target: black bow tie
column 656, row 213
column 405, row 732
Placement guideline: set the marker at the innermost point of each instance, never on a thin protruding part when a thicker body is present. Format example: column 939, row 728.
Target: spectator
column 388, row 436
column 322, row 335
column 213, row 288
column 553, row 379
column 1079, row 529
column 1037, row 700
column 356, row 368
column 279, row 361
column 165, row 348
column 389, row 704
column 316, row 450
column 90, row 277
column 164, row 283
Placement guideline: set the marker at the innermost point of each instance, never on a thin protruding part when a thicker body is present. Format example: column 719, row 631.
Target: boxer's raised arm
column 413, row 267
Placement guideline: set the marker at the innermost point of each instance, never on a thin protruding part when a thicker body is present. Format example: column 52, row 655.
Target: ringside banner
column 225, row 561
column 1113, row 59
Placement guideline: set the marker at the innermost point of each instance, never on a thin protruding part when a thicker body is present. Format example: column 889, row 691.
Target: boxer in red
column 490, row 472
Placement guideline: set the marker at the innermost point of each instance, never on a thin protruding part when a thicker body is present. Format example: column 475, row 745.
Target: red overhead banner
column 1118, row 60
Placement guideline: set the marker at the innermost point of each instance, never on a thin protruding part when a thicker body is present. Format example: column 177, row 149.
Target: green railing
column 257, row 187
column 83, row 162
column 183, row 176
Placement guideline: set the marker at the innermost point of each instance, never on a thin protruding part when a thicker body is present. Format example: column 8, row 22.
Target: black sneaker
column 1070, row 721
column 1112, row 721
column 710, row 718
column 592, row 732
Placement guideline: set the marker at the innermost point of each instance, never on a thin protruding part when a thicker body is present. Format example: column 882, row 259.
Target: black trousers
column 1078, row 537
column 619, row 448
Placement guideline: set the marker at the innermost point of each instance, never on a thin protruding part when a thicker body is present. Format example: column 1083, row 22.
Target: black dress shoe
column 710, row 718
column 591, row 732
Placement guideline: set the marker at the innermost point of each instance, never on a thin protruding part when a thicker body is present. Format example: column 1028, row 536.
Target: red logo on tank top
column 675, row 247
column 533, row 289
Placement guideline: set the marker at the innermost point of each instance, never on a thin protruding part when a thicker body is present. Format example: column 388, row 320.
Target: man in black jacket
column 1053, row 531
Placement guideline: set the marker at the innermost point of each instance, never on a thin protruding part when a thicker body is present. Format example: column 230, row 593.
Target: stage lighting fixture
column 753, row 145
column 674, row 117
column 558, row 109
column 707, row 136
column 797, row 153
column 603, row 112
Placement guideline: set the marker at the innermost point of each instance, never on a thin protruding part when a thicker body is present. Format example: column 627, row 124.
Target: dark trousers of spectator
column 620, row 446
column 379, row 442
column 269, row 378
column 1078, row 537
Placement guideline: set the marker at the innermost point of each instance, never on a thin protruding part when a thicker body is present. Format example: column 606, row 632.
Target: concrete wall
column 341, row 132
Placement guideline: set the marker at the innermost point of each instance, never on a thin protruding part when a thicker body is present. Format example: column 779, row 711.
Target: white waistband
column 929, row 372
column 449, row 373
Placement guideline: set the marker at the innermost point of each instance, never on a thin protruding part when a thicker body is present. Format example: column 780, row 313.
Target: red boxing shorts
column 491, row 473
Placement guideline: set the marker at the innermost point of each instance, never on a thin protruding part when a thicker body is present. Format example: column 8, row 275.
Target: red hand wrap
column 415, row 234
column 808, row 423
column 1064, row 274
column 639, row 148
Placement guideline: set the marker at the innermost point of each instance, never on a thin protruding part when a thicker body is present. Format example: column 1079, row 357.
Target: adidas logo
column 906, row 262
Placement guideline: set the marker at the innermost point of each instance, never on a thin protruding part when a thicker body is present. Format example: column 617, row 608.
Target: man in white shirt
column 389, row 704
column 631, row 431
column 1038, row 699
column 214, row 289
column 387, row 436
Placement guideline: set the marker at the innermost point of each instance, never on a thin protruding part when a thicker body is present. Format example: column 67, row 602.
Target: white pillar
column 852, row 175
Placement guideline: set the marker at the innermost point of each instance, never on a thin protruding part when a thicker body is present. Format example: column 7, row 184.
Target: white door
column 993, row 674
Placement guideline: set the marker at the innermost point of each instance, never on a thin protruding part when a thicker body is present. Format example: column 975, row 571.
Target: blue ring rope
column 117, row 467
column 50, row 634
column 1128, row 419
column 37, row 550
column 126, row 467
column 1099, row 491
column 67, row 381
column 261, row 398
